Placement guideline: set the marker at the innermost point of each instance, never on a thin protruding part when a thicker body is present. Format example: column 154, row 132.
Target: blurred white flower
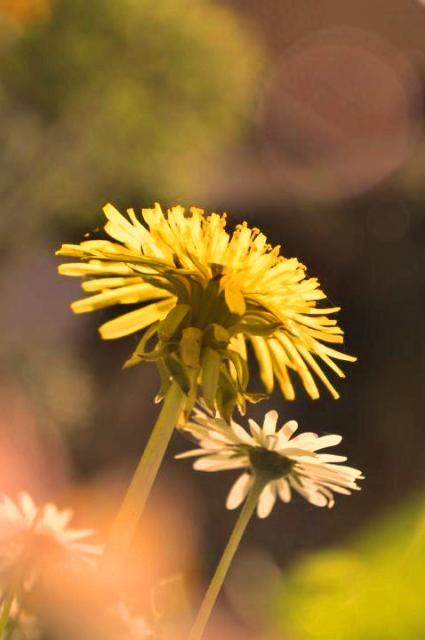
column 25, row 625
column 283, row 462
column 135, row 625
column 29, row 533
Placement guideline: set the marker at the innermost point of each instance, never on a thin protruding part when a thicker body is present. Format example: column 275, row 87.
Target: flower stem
column 216, row 583
column 140, row 486
column 5, row 613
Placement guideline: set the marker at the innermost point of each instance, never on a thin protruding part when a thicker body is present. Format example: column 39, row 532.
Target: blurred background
column 306, row 119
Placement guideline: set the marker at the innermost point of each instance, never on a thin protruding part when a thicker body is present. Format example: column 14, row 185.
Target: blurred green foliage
column 115, row 100
column 370, row 590
column 52, row 377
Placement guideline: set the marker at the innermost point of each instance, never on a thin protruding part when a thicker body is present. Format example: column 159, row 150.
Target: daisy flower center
column 269, row 463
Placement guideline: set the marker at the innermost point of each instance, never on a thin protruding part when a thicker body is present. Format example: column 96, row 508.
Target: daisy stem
column 132, row 507
column 216, row 583
column 5, row 613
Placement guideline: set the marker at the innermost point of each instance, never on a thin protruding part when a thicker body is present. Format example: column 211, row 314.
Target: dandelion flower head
column 209, row 301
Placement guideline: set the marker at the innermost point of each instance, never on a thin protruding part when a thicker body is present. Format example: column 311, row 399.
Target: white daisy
column 135, row 625
column 25, row 527
column 284, row 462
column 24, row 623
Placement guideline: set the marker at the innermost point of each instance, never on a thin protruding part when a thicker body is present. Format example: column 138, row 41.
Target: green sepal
column 216, row 336
column 211, row 364
column 254, row 398
column 196, row 299
column 192, row 395
column 170, row 325
column 166, row 380
column 105, row 256
column 216, row 270
column 255, row 329
column 180, row 286
column 190, row 347
column 132, row 361
column 140, row 353
column 241, row 366
column 210, row 303
column 178, row 373
column 169, row 281
column 227, row 395
column 198, row 264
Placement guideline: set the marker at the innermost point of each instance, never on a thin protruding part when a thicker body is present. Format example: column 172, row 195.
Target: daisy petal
column 287, row 430
column 266, row 500
column 255, row 430
column 239, row 491
column 269, row 424
column 284, row 490
column 241, row 434
column 326, row 441
column 216, row 463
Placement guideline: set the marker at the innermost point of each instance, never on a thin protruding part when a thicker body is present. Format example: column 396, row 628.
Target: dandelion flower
column 284, row 462
column 28, row 534
column 209, row 300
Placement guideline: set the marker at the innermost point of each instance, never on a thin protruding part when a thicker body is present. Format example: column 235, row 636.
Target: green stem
column 216, row 583
column 15, row 591
column 140, row 486
column 5, row 613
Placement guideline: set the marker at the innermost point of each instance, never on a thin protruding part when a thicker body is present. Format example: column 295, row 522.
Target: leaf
column 371, row 587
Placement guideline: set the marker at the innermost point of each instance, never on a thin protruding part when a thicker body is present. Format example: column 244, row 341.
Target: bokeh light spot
column 339, row 114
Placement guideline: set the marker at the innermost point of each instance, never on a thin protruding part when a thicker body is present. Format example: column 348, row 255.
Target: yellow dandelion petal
column 313, row 364
column 338, row 355
column 265, row 362
column 123, row 295
column 331, row 364
column 280, row 366
column 234, row 297
column 299, row 365
column 120, row 229
column 102, row 284
column 79, row 269
column 135, row 320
